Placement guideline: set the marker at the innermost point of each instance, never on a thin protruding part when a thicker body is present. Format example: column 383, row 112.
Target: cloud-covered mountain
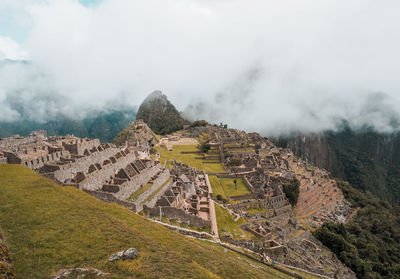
column 269, row 66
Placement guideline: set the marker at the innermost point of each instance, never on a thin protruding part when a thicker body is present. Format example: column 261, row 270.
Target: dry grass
column 49, row 227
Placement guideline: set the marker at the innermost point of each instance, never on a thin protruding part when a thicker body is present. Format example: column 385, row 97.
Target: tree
column 235, row 161
column 292, row 191
column 205, row 146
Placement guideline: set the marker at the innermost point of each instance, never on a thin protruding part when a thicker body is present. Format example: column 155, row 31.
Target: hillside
column 102, row 125
column 6, row 269
column 161, row 116
column 49, row 227
column 369, row 243
column 369, row 160
column 136, row 133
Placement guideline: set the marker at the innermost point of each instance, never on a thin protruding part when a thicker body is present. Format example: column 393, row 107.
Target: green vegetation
column 370, row 243
column 199, row 123
column 49, row 227
column 102, row 125
column 217, row 187
column 292, row 191
column 368, row 160
column 204, row 146
column 140, row 191
column 161, row 116
column 226, row 224
column 236, row 161
column 225, row 187
column 189, row 158
column 231, row 190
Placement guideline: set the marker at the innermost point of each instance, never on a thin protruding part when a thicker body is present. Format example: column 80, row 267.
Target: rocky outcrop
column 6, row 269
column 312, row 148
column 128, row 254
column 80, row 273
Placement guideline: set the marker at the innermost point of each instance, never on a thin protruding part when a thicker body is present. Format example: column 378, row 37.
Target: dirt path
column 213, row 217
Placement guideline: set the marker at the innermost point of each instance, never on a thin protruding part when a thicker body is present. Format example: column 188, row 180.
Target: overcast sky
column 270, row 66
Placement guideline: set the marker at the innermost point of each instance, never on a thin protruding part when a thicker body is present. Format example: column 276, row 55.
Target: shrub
column 292, row 191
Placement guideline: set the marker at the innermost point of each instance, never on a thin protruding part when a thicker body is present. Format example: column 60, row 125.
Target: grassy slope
column 226, row 223
column 189, row 159
column 6, row 269
column 49, row 227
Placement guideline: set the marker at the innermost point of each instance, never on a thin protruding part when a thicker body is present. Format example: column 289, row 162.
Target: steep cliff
column 161, row 116
column 369, row 160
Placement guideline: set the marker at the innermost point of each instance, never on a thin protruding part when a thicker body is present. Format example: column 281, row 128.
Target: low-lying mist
column 269, row 66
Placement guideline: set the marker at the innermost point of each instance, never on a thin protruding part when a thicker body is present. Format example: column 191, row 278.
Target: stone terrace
column 320, row 198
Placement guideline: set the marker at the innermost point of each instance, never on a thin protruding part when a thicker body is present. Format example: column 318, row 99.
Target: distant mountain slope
column 161, row 116
column 369, row 160
column 50, row 227
column 370, row 242
column 103, row 125
column 136, row 133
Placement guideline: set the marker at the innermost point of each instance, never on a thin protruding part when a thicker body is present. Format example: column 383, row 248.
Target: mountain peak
column 160, row 114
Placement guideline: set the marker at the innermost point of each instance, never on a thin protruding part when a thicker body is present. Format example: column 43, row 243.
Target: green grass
column 139, row 192
column 229, row 186
column 189, row 159
column 216, row 186
column 226, row 221
column 49, row 227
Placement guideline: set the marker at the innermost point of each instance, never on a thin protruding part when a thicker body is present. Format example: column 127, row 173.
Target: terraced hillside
column 189, row 154
column 49, row 227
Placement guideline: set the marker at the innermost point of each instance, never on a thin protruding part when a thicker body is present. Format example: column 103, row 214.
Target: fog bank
column 269, row 66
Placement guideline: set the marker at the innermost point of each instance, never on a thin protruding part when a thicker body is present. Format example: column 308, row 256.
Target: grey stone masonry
column 137, row 181
column 159, row 194
column 82, row 164
column 162, row 177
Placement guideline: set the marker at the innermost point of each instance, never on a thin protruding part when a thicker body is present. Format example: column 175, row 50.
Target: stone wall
column 137, row 181
column 108, row 197
column 202, row 235
column 248, row 184
column 179, row 215
column 159, row 194
column 162, row 177
column 34, row 161
column 80, row 145
column 243, row 197
column 82, row 164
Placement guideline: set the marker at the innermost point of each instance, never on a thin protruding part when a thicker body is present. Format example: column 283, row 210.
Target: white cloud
column 267, row 65
column 11, row 50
